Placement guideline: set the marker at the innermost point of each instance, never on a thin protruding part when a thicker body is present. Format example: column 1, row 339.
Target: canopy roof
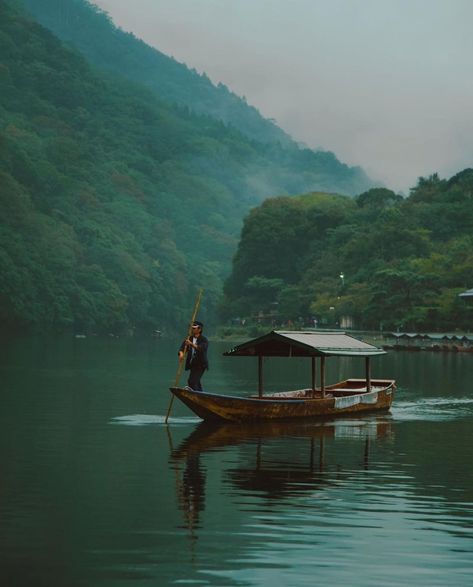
column 279, row 343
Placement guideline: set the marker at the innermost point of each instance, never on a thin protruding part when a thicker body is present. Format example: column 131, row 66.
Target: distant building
column 467, row 295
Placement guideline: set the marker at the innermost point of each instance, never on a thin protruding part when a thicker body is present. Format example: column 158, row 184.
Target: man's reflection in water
column 190, row 481
column 192, row 497
column 191, row 494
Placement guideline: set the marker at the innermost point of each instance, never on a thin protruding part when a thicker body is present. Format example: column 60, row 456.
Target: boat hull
column 344, row 398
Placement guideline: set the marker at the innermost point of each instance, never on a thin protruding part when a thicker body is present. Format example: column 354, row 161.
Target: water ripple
column 152, row 420
column 433, row 409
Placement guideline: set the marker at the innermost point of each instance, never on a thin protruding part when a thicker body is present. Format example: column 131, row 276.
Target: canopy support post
column 322, row 375
column 260, row 375
column 313, row 376
column 368, row 374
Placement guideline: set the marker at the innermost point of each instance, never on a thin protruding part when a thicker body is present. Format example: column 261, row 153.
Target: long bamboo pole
column 182, row 361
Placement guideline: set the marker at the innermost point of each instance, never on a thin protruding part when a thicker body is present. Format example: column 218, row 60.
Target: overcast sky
column 385, row 84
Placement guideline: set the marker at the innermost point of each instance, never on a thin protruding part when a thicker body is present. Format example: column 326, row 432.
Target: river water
column 95, row 490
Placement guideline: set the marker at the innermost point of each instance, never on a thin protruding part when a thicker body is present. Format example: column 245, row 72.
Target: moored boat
column 351, row 396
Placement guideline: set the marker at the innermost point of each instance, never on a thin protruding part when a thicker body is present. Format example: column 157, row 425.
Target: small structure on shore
column 418, row 341
column 467, row 295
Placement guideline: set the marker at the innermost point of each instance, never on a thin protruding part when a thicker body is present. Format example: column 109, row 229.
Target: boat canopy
column 281, row 343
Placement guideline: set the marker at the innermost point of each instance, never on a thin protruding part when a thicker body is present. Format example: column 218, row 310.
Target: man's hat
column 197, row 323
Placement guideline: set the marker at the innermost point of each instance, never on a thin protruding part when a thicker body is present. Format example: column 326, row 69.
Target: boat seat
column 358, row 389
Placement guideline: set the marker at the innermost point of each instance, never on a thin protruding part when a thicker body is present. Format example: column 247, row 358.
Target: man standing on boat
column 196, row 359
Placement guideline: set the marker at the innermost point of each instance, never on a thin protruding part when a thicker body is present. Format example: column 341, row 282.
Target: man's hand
column 180, row 354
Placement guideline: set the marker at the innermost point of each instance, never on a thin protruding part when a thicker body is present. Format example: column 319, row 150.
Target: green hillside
column 115, row 205
column 386, row 261
column 90, row 30
column 83, row 25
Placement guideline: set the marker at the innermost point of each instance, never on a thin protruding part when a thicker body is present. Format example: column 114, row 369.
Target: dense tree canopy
column 115, row 205
column 387, row 261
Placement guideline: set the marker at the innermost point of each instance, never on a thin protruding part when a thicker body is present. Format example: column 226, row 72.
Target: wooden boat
column 352, row 396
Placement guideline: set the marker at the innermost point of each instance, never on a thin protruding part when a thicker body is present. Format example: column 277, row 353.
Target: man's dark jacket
column 199, row 360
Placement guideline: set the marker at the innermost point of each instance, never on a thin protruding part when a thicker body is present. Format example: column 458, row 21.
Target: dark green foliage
column 388, row 262
column 116, row 206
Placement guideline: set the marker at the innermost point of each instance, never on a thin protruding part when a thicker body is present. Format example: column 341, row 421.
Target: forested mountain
column 387, row 261
column 115, row 205
column 89, row 29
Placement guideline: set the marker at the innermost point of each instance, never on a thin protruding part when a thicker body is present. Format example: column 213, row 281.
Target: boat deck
column 346, row 388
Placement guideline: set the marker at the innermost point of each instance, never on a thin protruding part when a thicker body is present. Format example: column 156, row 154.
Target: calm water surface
column 95, row 490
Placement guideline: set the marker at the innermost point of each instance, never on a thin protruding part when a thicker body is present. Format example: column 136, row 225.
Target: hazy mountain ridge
column 93, row 33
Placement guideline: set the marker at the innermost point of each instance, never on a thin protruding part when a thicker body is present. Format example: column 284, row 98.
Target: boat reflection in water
column 279, row 460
